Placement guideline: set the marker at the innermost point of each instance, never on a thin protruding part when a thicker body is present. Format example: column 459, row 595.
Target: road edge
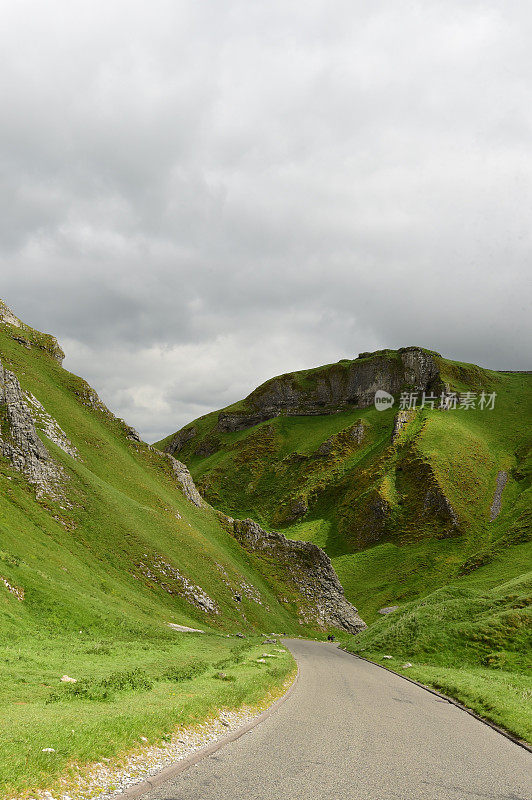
column 154, row 781
column 457, row 703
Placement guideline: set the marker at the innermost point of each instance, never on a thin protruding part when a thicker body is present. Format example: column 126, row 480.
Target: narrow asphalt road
column 352, row 730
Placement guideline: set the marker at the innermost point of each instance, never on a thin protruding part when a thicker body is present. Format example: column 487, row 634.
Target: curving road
column 352, row 730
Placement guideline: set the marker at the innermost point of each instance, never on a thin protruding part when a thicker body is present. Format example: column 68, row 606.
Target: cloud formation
column 199, row 196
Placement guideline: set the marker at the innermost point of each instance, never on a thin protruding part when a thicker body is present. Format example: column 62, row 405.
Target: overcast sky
column 199, row 195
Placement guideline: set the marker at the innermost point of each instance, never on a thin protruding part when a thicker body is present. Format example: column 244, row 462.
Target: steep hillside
column 407, row 502
column 417, row 496
column 105, row 544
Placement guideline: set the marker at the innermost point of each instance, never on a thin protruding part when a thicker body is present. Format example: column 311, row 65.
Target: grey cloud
column 201, row 195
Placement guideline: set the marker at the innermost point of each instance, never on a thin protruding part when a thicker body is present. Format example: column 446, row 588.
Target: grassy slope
column 464, row 595
column 471, row 639
column 84, row 589
column 129, row 690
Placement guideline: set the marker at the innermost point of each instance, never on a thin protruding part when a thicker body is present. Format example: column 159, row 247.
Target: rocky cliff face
column 20, row 443
column 334, row 388
column 309, row 569
column 326, row 390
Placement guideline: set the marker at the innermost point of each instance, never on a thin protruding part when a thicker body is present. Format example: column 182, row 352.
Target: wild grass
column 126, row 689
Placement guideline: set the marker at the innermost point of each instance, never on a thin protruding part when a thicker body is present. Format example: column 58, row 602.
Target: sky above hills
column 198, row 196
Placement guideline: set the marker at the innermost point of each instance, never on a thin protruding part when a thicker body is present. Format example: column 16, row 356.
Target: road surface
column 352, row 730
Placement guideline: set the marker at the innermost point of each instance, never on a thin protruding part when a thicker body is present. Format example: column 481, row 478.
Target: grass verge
column 127, row 694
column 501, row 697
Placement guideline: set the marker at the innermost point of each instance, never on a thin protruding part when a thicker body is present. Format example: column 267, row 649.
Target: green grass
column 127, row 689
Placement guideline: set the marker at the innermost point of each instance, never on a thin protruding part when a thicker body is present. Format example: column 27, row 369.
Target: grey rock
column 388, row 610
column 132, row 434
column 294, row 508
column 436, row 502
column 20, row 443
column 310, row 570
column 402, row 418
column 502, row 479
column 334, row 388
column 352, row 435
column 49, row 426
column 180, row 439
column 42, row 341
column 165, row 575
column 7, row 317
column 184, row 628
column 184, row 478
column 207, row 447
column 24, row 342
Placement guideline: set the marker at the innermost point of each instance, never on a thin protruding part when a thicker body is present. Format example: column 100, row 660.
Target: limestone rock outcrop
column 184, row 479
column 326, row 390
column 336, row 387
column 20, row 443
column 310, row 571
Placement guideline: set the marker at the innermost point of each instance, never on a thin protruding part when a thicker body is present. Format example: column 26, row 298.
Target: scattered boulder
column 183, row 628
column 388, row 609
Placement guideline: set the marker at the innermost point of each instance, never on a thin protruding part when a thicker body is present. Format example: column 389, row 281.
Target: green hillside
column 95, row 566
column 404, row 516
